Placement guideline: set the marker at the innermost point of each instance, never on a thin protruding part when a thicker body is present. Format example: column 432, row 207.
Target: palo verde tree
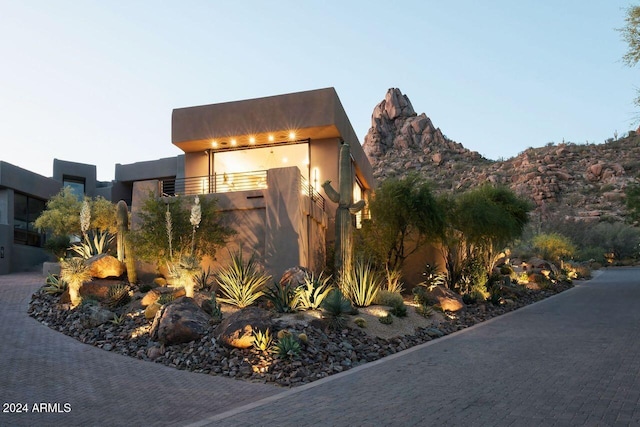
column 480, row 223
column 165, row 233
column 631, row 35
column 404, row 217
column 62, row 215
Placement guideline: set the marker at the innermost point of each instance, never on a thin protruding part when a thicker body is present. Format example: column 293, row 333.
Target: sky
column 96, row 81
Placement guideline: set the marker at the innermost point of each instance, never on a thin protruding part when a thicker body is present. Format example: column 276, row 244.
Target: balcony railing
column 230, row 182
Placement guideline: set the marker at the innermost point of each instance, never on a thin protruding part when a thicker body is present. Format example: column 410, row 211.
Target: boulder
column 104, row 265
column 445, row 298
column 180, row 322
column 96, row 316
column 294, row 276
column 237, row 329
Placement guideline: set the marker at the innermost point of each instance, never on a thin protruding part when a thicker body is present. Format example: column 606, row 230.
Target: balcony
column 230, row 182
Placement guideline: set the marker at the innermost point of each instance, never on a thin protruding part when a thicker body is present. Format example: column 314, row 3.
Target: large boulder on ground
column 96, row 316
column 93, row 290
column 104, row 265
column 179, row 322
column 294, row 276
column 445, row 298
column 237, row 329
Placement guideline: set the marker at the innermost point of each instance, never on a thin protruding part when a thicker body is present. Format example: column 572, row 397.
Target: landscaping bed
column 323, row 352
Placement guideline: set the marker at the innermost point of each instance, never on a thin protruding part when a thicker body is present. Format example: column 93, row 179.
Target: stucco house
column 263, row 159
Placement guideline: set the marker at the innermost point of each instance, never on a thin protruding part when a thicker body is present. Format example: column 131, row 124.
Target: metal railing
column 312, row 193
column 216, row 183
column 229, row 182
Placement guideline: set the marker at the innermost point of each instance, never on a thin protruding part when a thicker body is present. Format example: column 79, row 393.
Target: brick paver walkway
column 573, row 359
column 38, row 364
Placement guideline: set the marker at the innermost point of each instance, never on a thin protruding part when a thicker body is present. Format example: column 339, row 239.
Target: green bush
column 386, row 320
column 553, row 247
column 398, row 309
column 388, row 298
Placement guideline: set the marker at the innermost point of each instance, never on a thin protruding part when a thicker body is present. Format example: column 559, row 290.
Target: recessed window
column 25, row 211
column 77, row 186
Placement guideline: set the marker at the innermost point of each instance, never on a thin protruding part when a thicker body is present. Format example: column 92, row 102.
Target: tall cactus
column 346, row 208
column 122, row 221
column 125, row 252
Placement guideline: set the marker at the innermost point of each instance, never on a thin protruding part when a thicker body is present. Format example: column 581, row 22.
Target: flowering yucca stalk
column 85, row 217
column 196, row 217
column 169, row 227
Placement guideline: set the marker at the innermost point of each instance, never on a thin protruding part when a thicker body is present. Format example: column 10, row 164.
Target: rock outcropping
column 585, row 181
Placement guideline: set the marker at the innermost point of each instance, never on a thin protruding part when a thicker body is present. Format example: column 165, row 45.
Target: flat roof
column 315, row 114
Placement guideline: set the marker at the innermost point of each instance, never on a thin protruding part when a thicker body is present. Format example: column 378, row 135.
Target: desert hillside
column 583, row 181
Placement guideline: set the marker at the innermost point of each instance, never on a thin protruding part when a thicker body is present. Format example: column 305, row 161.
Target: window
column 25, row 211
column 358, row 194
column 76, row 185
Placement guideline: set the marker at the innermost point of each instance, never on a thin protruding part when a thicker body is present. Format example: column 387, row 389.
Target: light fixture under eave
column 233, row 142
column 292, row 135
column 271, row 138
column 214, row 144
column 252, row 140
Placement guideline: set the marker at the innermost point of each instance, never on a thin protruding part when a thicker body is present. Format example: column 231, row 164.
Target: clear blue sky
column 96, row 81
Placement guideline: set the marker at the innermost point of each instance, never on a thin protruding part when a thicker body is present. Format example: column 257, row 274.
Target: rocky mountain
column 583, row 181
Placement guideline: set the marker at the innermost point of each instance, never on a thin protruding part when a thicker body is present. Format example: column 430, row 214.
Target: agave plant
column 262, row 341
column 54, row 285
column 92, row 247
column 362, row 285
column 241, row 283
column 282, row 296
column 287, row 347
column 394, row 282
column 310, row 295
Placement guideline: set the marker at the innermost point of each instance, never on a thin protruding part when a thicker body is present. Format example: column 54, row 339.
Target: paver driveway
column 573, row 359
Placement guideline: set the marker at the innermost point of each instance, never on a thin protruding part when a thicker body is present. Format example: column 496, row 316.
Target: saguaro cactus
column 346, row 208
column 125, row 251
column 122, row 221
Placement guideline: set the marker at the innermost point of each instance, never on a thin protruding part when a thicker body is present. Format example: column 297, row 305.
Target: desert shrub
column 469, row 299
column 361, row 285
column 204, row 280
column 424, row 310
column 388, row 298
column 474, row 276
column 360, row 322
column 386, row 320
column 553, row 247
column 506, row 270
column 58, row 245
column 421, row 296
column 241, row 282
column 315, row 289
column 118, row 295
column 399, row 309
column 433, row 276
column 75, row 272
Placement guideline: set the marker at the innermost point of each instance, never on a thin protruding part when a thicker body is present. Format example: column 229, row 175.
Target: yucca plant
column 241, row 283
column 263, row 341
column 362, row 285
column 204, row 279
column 54, row 285
column 75, row 272
column 335, row 307
column 310, row 295
column 282, row 296
column 216, row 310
